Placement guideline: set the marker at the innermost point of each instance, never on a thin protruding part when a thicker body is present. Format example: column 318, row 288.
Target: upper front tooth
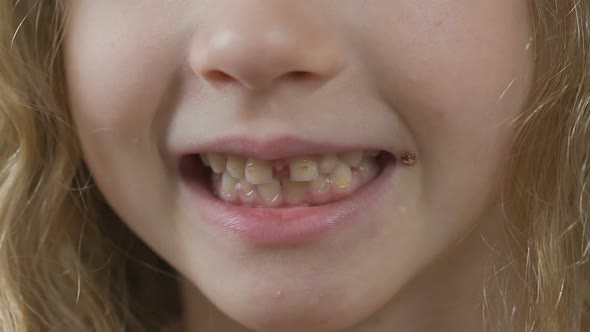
column 352, row 158
column 217, row 162
column 328, row 163
column 258, row 171
column 303, row 169
column 236, row 166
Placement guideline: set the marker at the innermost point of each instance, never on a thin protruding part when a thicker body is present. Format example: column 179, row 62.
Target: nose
column 262, row 43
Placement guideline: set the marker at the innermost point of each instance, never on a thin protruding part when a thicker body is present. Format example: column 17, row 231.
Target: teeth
column 228, row 184
column 309, row 174
column 294, row 190
column 217, row 162
column 319, row 184
column 205, row 160
column 353, row 158
column 236, row 166
column 303, row 169
column 246, row 187
column 342, row 175
column 368, row 167
column 270, row 191
column 258, row 171
column 328, row 163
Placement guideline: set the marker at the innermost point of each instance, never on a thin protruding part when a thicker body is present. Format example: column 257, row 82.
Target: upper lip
column 270, row 148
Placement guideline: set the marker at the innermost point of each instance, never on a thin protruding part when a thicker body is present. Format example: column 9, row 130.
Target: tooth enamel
column 205, row 160
column 258, row 171
column 303, row 169
column 245, row 186
column 293, row 189
column 368, row 167
column 217, row 162
column 319, row 184
column 228, row 184
column 236, row 166
column 372, row 153
column 352, row 158
column 270, row 191
column 342, row 175
column 328, row 163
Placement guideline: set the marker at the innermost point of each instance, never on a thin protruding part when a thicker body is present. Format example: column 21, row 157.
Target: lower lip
column 288, row 225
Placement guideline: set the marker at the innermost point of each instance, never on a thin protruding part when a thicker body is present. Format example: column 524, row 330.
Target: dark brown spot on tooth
column 409, row 158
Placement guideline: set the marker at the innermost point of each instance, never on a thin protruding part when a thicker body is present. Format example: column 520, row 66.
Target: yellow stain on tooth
column 303, row 169
column 258, row 171
column 342, row 175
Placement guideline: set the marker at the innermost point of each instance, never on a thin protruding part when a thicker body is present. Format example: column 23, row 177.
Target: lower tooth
column 246, row 187
column 294, row 190
column 319, row 184
column 270, row 192
column 368, row 168
column 228, row 184
column 342, row 175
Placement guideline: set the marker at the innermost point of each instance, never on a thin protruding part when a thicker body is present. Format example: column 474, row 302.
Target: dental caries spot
column 295, row 181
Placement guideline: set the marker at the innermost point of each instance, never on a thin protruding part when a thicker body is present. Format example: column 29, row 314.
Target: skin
column 443, row 78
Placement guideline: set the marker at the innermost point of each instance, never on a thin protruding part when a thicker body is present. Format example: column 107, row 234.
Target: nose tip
column 258, row 55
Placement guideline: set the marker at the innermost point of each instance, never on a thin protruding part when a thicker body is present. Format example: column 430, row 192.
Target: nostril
column 300, row 75
column 218, row 76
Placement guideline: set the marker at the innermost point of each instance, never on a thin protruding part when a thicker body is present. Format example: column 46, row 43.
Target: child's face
column 152, row 80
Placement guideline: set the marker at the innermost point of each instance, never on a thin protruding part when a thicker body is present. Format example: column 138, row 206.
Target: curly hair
column 68, row 263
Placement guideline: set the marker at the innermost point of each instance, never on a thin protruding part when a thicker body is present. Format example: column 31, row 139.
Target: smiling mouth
column 311, row 180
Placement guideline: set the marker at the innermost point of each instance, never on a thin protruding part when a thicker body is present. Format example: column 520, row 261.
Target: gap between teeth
column 305, row 173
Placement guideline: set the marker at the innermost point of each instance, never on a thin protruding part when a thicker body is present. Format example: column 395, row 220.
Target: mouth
column 262, row 197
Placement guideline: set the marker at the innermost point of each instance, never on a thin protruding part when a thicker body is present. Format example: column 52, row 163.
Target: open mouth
column 269, row 193
column 311, row 180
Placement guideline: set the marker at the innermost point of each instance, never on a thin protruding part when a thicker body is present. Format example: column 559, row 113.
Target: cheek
column 457, row 82
column 118, row 73
column 119, row 81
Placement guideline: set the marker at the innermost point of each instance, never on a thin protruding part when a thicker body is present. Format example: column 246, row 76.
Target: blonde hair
column 67, row 263
column 545, row 194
